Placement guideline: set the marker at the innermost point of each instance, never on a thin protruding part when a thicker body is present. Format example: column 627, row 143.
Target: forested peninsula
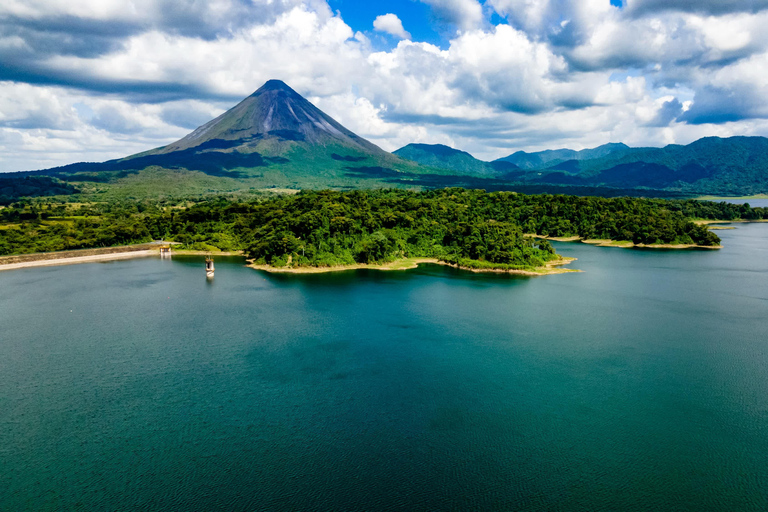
column 467, row 228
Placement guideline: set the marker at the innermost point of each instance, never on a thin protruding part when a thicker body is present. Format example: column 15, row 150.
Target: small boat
column 209, row 266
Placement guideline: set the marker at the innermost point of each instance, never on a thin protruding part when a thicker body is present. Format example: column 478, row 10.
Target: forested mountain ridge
column 550, row 157
column 730, row 166
column 445, row 157
column 711, row 165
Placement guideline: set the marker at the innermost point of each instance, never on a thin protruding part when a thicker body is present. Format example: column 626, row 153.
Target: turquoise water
column 639, row 384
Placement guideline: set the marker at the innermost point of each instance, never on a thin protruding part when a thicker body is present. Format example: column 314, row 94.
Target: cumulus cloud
column 735, row 92
column 300, row 45
column 28, row 107
column 391, row 24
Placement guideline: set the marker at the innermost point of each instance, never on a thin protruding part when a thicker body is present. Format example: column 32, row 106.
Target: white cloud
column 28, row 107
column 42, row 126
column 563, row 73
column 300, row 47
column 391, row 24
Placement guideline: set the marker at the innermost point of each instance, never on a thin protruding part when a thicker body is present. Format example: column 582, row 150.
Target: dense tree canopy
column 330, row 228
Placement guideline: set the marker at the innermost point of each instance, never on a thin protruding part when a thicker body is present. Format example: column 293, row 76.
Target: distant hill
column 444, row 157
column 713, row 165
column 550, row 157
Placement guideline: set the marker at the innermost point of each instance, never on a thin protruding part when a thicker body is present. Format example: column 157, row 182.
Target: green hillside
column 444, row 157
column 551, row 157
column 712, row 165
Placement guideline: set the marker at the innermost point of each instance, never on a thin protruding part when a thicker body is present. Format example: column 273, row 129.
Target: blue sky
column 89, row 80
column 416, row 18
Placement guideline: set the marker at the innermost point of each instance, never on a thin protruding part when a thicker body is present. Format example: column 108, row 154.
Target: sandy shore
column 80, row 259
column 96, row 255
column 552, row 267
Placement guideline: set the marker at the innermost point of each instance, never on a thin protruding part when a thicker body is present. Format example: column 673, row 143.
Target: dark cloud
column 62, row 36
column 668, row 112
column 393, row 116
column 583, row 101
column 707, row 7
column 193, row 18
column 133, row 91
column 569, row 36
column 502, row 91
column 717, row 106
column 36, row 40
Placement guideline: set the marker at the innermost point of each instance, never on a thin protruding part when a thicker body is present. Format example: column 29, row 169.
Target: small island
column 551, row 267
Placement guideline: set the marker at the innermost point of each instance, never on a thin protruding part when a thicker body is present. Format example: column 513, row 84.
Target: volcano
column 273, row 138
column 273, row 114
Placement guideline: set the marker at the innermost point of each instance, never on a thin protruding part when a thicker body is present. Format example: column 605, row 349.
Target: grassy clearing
column 609, row 243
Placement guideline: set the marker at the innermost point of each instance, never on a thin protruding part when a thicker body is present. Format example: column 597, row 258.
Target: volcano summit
column 274, row 115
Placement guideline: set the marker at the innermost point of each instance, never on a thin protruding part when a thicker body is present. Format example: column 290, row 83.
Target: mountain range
column 276, row 138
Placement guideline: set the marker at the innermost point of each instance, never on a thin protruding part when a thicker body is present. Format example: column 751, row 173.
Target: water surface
column 639, row 384
column 754, row 203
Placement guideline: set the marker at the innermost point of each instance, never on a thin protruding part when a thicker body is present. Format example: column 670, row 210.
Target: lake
column 754, row 203
column 638, row 384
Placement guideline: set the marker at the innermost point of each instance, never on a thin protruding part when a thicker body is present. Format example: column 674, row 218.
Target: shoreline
column 550, row 268
column 73, row 260
column 622, row 244
column 102, row 254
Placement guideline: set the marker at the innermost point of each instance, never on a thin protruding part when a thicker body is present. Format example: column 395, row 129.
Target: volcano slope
column 273, row 138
